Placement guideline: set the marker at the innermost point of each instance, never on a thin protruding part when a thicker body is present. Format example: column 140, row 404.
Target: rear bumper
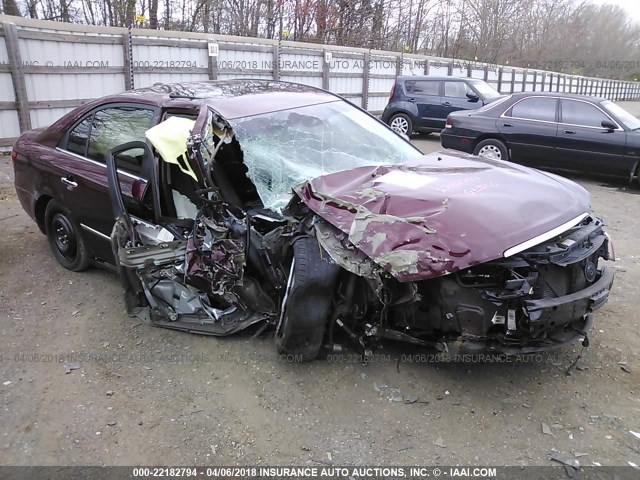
column 456, row 142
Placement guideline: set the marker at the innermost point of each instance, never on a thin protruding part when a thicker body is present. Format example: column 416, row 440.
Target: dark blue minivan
column 422, row 103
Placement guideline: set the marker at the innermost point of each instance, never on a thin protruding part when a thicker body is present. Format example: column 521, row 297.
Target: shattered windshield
column 284, row 148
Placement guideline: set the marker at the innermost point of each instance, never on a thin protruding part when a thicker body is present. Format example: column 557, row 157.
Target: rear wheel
column 492, row 148
column 64, row 238
column 401, row 123
column 307, row 301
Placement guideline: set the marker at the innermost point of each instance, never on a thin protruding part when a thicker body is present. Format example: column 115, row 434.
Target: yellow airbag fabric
column 169, row 138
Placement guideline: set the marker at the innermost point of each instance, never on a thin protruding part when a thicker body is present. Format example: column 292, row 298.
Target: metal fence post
column 486, row 73
column 450, row 69
column 500, row 79
column 12, row 42
column 535, row 81
column 427, row 64
column 544, row 79
column 525, row 77
column 276, row 62
column 326, row 72
column 212, row 68
column 512, row 87
column 365, row 80
column 399, row 65
column 127, row 51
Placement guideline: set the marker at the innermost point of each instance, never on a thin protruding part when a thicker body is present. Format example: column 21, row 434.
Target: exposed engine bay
column 321, row 284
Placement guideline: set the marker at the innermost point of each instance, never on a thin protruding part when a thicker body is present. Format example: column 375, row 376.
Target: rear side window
column 115, row 126
column 581, row 113
column 77, row 142
column 456, row 89
column 535, row 108
column 422, row 87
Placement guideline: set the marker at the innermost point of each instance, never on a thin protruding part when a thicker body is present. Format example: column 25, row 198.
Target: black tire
column 492, row 145
column 401, row 123
column 307, row 302
column 65, row 238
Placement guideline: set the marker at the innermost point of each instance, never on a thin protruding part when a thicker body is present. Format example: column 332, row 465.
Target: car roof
column 560, row 95
column 437, row 79
column 230, row 98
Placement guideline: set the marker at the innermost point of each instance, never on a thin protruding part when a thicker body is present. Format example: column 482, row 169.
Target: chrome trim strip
column 618, row 128
column 96, row 232
column 126, row 174
column 545, row 236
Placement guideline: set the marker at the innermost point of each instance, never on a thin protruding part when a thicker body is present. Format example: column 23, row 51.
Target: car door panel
column 529, row 141
column 83, row 180
column 583, row 144
column 530, row 129
column 425, row 94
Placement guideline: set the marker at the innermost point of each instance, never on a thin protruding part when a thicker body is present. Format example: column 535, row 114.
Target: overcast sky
column 631, row 6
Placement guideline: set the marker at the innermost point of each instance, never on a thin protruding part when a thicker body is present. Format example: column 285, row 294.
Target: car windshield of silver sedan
column 284, row 148
column 629, row 121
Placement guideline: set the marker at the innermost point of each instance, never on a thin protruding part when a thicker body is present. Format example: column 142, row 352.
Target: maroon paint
column 477, row 208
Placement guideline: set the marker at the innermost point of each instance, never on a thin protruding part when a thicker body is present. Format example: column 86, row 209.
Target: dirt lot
column 142, row 395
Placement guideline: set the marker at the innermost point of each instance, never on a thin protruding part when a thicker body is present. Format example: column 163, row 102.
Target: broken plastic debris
column 565, row 459
column 635, row 434
column 71, row 366
column 440, row 443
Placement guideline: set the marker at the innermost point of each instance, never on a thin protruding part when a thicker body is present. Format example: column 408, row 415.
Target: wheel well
column 487, row 136
column 40, row 208
column 404, row 112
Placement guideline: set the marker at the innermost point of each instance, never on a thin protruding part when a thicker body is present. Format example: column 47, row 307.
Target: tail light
column 393, row 91
column 448, row 123
column 14, row 156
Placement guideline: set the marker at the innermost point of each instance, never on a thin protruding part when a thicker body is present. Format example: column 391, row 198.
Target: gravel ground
column 81, row 383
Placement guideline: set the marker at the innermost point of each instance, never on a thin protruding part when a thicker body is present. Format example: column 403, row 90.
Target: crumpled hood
column 442, row 212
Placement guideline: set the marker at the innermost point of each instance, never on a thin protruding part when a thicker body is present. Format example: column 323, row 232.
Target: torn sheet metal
column 214, row 261
column 435, row 223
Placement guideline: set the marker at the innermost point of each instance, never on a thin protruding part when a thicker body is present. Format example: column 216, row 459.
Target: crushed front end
column 535, row 300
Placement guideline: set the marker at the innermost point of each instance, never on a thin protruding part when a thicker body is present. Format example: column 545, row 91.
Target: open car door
column 187, row 275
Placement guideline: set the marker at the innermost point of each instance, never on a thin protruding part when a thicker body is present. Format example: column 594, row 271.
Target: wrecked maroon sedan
column 255, row 202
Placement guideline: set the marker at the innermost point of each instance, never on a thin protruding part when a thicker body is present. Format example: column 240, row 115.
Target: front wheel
column 493, row 149
column 307, row 301
column 65, row 239
column 401, row 123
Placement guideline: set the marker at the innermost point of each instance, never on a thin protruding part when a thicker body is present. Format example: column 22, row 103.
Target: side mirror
column 472, row 97
column 609, row 125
